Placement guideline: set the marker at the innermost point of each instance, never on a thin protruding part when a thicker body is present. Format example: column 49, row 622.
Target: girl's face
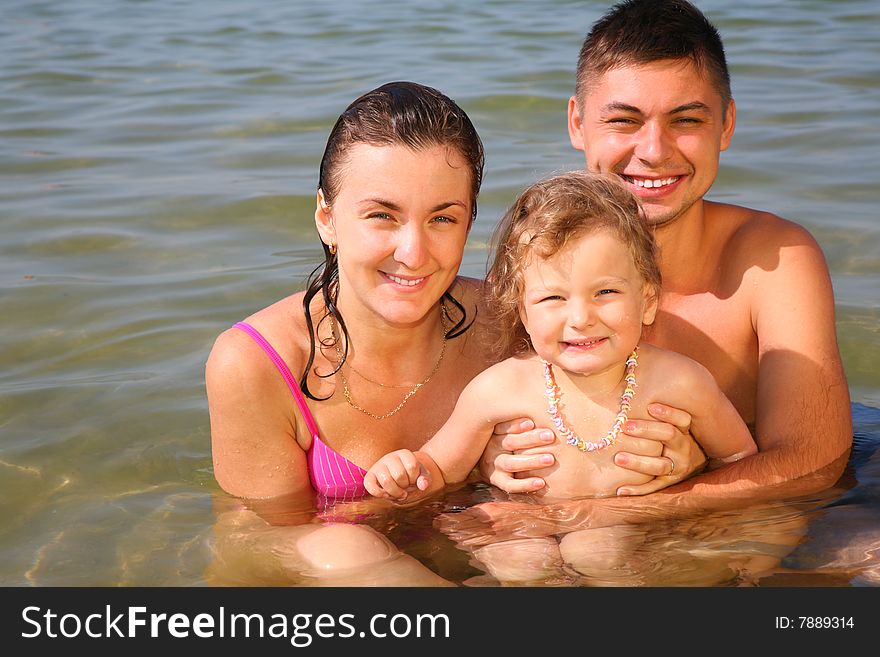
column 400, row 222
column 584, row 307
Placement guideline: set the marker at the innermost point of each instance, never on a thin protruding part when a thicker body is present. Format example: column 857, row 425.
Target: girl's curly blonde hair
column 542, row 221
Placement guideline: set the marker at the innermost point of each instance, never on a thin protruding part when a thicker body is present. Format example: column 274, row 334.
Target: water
column 158, row 163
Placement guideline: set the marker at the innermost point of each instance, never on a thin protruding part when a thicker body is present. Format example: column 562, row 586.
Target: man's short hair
column 645, row 31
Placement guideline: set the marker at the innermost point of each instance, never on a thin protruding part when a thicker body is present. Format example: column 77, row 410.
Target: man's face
column 660, row 127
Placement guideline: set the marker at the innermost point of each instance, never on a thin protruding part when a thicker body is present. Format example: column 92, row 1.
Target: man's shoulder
column 751, row 225
column 756, row 237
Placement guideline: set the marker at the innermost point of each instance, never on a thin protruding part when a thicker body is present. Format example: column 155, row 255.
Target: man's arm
column 803, row 423
column 681, row 456
column 803, row 418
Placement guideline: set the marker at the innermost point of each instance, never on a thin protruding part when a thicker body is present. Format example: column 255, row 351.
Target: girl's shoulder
column 671, row 370
column 513, row 372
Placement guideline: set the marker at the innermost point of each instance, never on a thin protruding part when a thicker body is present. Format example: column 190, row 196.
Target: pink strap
column 331, row 474
column 285, row 372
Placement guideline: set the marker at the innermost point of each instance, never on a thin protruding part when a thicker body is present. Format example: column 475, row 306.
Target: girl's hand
column 681, row 456
column 499, row 465
column 395, row 474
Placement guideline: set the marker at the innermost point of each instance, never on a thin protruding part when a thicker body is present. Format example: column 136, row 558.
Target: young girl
column 575, row 278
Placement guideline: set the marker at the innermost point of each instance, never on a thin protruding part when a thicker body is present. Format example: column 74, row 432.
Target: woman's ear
column 324, row 220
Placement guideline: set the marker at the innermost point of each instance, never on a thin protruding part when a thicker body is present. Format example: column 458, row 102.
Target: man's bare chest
column 716, row 332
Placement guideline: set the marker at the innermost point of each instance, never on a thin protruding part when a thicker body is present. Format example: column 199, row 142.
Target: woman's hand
column 681, row 456
column 499, row 465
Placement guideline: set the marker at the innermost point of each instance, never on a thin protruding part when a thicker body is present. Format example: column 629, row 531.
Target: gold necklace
column 444, row 317
column 347, row 393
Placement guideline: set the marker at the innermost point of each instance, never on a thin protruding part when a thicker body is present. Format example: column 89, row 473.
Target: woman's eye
column 445, row 219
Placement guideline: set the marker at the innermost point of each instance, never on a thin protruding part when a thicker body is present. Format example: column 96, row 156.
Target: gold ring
column 672, row 469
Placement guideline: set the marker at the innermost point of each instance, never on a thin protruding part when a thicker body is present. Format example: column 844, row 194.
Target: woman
column 377, row 349
column 383, row 339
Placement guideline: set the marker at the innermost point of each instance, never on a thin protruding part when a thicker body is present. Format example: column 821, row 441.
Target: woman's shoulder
column 281, row 325
column 468, row 291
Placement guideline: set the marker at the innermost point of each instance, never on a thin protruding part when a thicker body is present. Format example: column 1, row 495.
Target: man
column 745, row 293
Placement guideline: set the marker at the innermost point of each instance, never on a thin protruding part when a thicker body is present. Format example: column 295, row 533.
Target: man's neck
column 684, row 256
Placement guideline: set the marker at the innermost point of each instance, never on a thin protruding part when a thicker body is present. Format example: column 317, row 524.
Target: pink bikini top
column 332, row 475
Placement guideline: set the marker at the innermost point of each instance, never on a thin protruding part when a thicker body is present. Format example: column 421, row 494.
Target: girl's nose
column 580, row 314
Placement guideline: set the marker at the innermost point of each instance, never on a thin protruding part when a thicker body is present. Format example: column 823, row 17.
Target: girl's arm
column 715, row 423
column 457, row 446
column 450, row 455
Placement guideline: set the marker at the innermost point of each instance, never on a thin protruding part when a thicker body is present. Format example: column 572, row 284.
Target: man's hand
column 681, row 456
column 499, row 466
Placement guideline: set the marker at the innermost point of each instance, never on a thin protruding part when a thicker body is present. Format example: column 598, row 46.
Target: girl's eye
column 554, row 297
column 607, row 291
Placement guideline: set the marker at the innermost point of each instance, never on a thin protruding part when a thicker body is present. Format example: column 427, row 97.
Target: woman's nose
column 411, row 250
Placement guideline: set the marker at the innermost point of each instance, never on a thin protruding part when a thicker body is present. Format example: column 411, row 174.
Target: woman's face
column 400, row 221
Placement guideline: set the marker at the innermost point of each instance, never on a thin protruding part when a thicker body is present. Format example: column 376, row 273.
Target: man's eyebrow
column 621, row 107
column 690, row 107
column 632, row 109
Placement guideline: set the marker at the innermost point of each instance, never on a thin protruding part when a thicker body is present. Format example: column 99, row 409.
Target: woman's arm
column 253, row 435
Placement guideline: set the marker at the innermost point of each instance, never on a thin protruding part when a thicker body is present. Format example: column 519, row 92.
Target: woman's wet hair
column 395, row 114
column 547, row 216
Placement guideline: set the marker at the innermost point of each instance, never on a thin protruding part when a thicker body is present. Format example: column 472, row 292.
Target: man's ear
column 575, row 124
column 324, row 220
column 729, row 125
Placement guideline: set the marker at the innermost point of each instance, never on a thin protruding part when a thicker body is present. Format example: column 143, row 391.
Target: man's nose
column 653, row 144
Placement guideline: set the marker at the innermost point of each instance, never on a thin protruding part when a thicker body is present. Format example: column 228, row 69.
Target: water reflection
column 473, row 535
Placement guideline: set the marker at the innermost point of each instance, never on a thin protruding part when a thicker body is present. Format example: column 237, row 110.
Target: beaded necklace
column 554, row 396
